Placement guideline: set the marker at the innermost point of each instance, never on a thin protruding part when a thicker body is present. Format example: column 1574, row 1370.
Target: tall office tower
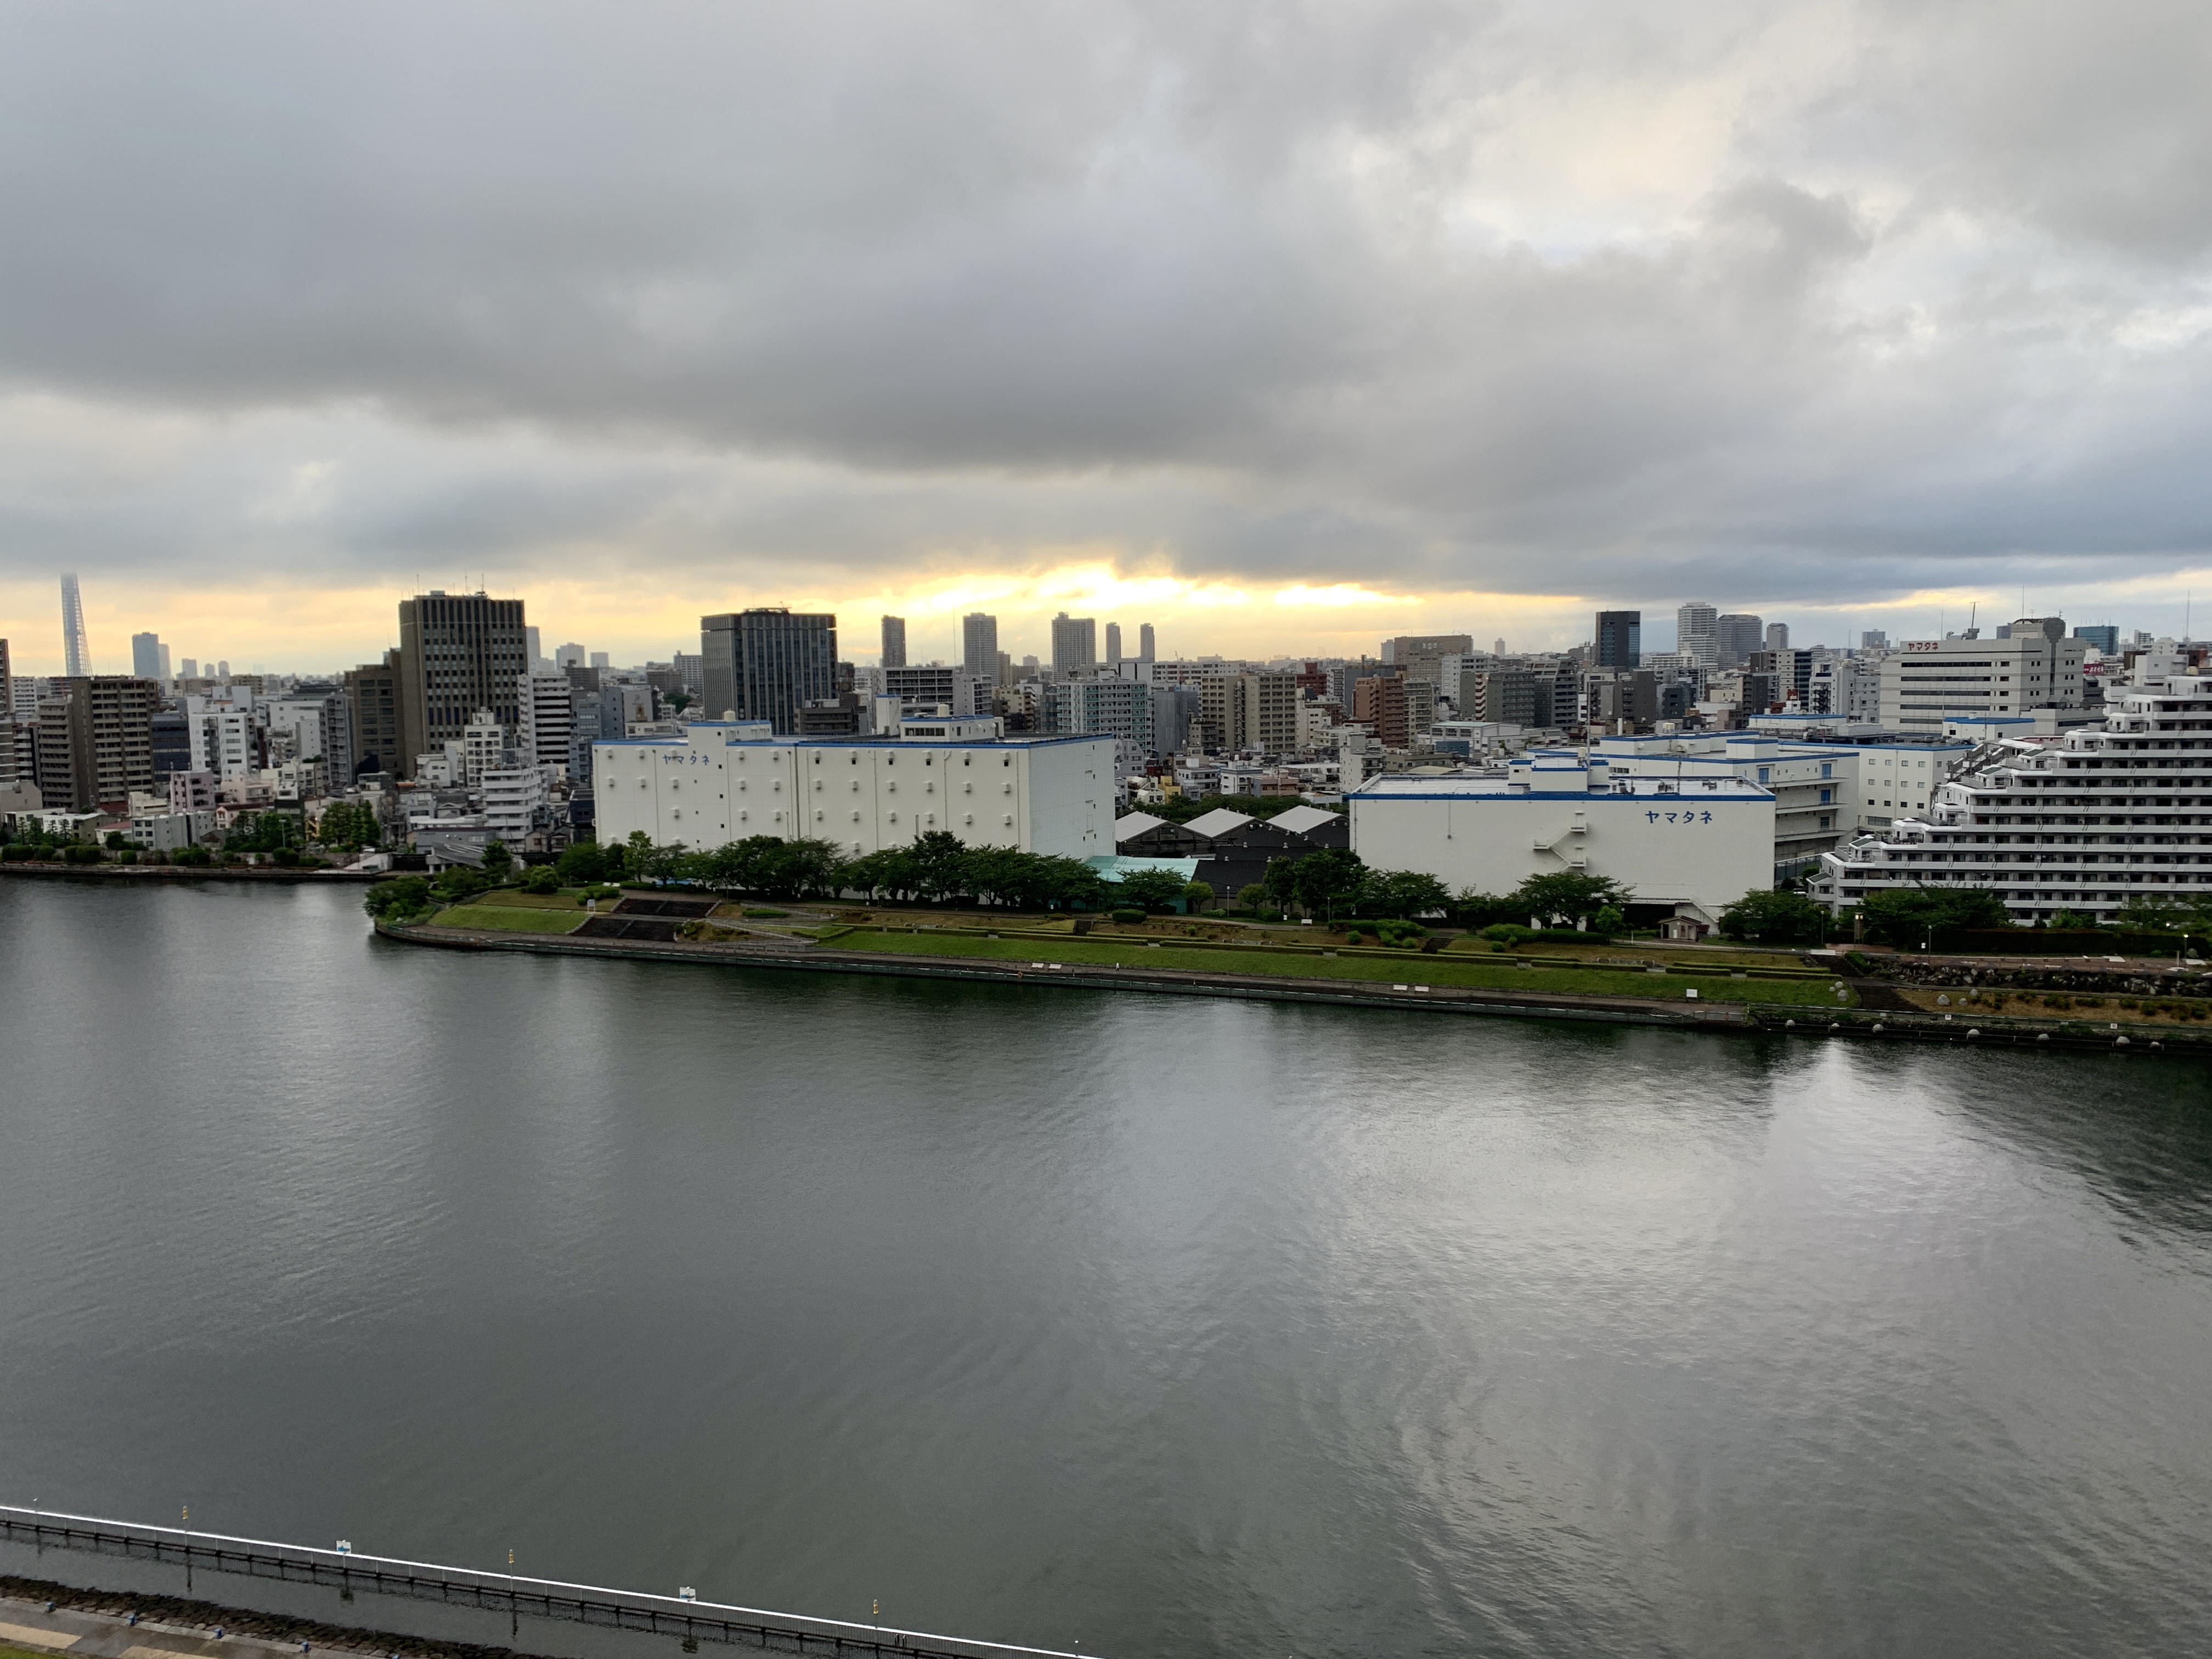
column 1113, row 645
column 1697, row 633
column 1738, row 634
column 768, row 663
column 1875, row 639
column 547, row 722
column 223, row 672
column 894, row 642
column 979, row 646
column 690, row 674
column 531, row 644
column 166, row 677
column 76, row 650
column 1074, row 644
column 96, row 741
column 7, row 696
column 457, row 653
column 191, row 668
column 1147, row 648
column 146, row 656
column 599, row 659
column 1777, row 636
column 1619, row 639
column 568, row 656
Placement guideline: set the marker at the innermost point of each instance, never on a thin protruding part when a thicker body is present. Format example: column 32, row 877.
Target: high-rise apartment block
column 1777, row 636
column 546, row 721
column 1697, row 633
column 1074, row 645
column 96, row 741
column 766, row 663
column 979, row 645
column 1113, row 645
column 146, row 657
column 1148, row 643
column 1620, row 642
column 894, row 642
column 1378, row 702
column 1256, row 712
column 1874, row 638
column 457, row 653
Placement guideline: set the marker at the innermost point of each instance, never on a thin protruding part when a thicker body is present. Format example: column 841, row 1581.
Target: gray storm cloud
column 1763, row 299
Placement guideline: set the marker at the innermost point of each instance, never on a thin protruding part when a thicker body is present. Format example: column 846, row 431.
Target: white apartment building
column 1698, row 844
column 546, row 715
column 2083, row 822
column 483, row 747
column 193, row 792
column 722, row 781
column 165, row 832
column 517, row 800
column 1930, row 681
column 226, row 737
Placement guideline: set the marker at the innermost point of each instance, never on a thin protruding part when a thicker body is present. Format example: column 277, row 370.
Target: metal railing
column 592, row 1604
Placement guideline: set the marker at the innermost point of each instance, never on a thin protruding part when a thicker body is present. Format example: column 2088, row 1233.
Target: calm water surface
column 1170, row 1327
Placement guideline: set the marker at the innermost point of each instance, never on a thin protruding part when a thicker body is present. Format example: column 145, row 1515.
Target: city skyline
column 1494, row 322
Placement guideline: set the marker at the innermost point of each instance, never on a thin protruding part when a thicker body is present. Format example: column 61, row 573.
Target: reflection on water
column 1177, row 1328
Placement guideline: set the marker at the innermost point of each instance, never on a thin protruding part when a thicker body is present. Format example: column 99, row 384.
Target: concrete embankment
column 1454, row 999
column 42, row 1617
column 1879, row 1024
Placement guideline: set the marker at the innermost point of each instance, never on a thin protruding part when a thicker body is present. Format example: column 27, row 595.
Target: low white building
column 165, row 832
column 722, row 781
column 1698, row 844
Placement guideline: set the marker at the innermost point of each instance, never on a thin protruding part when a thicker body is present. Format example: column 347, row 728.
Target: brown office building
column 379, row 734
column 457, row 653
column 1379, row 700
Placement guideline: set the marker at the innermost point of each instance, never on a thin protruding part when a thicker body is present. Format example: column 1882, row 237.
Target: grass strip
column 504, row 919
column 1422, row 970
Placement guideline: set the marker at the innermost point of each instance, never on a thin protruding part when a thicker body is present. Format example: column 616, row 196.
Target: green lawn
column 1415, row 969
column 504, row 918
column 513, row 898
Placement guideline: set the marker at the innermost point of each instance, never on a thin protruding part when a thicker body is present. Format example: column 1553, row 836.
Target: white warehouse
column 1698, row 844
column 722, row 781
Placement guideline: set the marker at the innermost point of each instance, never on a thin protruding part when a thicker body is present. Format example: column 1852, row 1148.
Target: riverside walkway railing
column 346, row 1568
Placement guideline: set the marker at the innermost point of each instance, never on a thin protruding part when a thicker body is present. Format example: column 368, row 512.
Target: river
column 1167, row 1327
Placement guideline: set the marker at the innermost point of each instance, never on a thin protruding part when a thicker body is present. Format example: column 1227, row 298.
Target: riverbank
column 154, row 872
column 39, row 1616
column 1426, row 988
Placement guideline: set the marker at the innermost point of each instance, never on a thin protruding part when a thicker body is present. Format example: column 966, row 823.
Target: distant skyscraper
column 1148, row 651
column 894, row 642
column 1875, row 639
column 979, row 645
column 1697, row 633
column 146, row 657
column 568, row 656
column 77, row 649
column 1619, row 639
column 766, row 663
column 599, row 659
column 1074, row 644
column 191, row 668
column 1113, row 645
column 1739, row 635
column 529, row 645
column 1498, row 646
column 1777, row 636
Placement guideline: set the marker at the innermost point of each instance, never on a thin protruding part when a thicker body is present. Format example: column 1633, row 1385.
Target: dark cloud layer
column 1774, row 299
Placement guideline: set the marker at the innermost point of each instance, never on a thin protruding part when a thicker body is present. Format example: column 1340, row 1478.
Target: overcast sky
column 1287, row 327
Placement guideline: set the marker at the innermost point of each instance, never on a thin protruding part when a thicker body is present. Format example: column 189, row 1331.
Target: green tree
column 1402, row 893
column 888, row 872
column 543, row 879
column 1765, row 916
column 457, row 882
column 398, row 901
column 1154, row 889
column 2154, row 913
column 1198, row 896
column 1329, row 879
column 583, row 862
column 1566, row 895
column 941, row 862
column 1914, row 918
column 497, row 860
column 1278, row 887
